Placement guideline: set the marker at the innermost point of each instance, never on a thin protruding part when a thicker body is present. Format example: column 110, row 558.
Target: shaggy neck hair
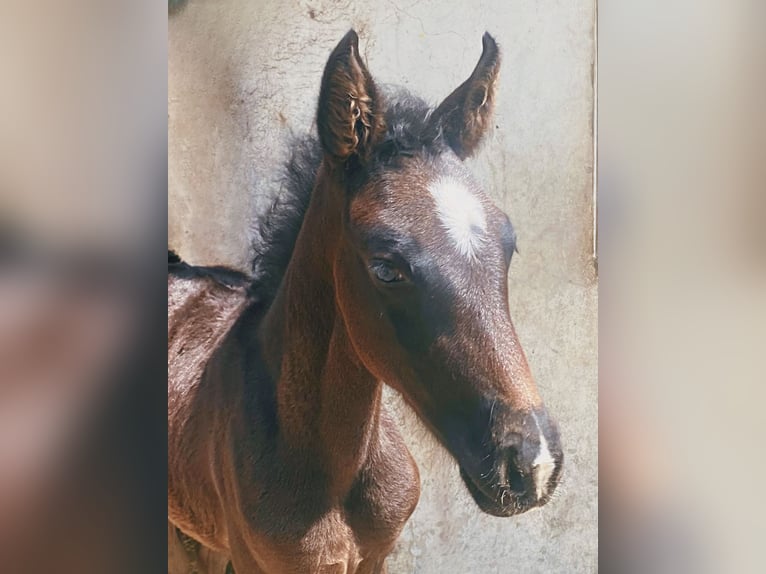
column 277, row 231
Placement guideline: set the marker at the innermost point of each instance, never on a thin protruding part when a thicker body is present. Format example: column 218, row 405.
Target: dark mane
column 224, row 275
column 406, row 133
column 277, row 231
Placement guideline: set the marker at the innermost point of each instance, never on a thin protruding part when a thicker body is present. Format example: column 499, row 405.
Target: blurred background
column 83, row 146
column 681, row 262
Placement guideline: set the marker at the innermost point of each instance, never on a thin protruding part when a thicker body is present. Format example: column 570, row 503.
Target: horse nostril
column 514, row 474
column 528, row 461
column 528, row 469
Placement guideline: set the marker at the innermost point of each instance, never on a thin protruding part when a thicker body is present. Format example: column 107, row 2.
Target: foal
column 280, row 454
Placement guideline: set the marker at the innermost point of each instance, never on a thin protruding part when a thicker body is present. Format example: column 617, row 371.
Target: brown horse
column 383, row 261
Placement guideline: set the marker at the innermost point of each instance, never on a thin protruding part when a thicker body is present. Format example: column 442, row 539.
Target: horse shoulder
column 201, row 316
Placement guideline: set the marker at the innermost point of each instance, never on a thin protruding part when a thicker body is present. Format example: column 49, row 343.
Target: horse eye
column 384, row 271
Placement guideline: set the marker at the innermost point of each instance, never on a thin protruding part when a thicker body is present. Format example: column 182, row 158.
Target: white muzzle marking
column 542, row 467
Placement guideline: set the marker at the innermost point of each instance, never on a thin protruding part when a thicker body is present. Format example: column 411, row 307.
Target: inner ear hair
column 479, row 97
column 349, row 114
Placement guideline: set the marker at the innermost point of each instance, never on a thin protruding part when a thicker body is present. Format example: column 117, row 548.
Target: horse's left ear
column 463, row 118
column 349, row 115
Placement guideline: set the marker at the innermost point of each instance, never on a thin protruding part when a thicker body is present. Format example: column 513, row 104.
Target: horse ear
column 350, row 115
column 464, row 116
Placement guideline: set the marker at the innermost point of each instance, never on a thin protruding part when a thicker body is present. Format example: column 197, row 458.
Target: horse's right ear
column 465, row 116
column 350, row 112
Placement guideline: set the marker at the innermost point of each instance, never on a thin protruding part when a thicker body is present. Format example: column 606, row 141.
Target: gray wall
column 243, row 75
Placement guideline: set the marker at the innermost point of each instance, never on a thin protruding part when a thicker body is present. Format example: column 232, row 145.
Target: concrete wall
column 243, row 75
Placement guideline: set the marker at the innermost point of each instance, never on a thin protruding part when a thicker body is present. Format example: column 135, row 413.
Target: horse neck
column 328, row 404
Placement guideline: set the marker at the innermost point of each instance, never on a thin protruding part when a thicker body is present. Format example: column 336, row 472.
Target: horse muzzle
column 520, row 472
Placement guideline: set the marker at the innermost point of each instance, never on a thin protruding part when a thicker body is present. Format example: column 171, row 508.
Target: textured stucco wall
column 243, row 75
